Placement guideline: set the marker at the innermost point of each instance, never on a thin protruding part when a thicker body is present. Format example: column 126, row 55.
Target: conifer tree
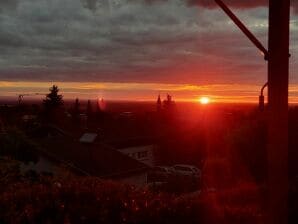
column 53, row 99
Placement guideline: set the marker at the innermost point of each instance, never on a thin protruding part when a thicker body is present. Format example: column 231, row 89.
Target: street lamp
column 262, row 98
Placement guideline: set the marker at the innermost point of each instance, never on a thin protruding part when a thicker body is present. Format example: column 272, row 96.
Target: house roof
column 94, row 159
column 88, row 138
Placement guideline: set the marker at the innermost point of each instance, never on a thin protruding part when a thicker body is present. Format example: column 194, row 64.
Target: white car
column 161, row 173
column 187, row 170
column 166, row 169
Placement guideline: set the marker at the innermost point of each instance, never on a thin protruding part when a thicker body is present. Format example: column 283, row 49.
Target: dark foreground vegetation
column 31, row 198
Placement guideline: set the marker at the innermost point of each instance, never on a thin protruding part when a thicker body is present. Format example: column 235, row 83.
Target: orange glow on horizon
column 217, row 93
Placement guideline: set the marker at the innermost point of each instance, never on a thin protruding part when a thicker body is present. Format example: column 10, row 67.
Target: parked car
column 187, row 170
column 160, row 173
column 166, row 169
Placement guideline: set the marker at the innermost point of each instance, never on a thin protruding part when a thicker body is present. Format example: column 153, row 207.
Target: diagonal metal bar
column 243, row 28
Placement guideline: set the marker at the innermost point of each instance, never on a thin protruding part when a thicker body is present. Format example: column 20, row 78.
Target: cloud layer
column 130, row 41
column 240, row 4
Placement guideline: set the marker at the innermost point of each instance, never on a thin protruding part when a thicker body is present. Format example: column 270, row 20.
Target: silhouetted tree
column 53, row 103
column 169, row 107
column 158, row 104
column 101, row 105
column 77, row 104
column 169, row 103
column 248, row 149
column 100, row 110
column 76, row 111
column 16, row 145
column 76, row 108
column 89, row 108
column 53, row 99
column 89, row 112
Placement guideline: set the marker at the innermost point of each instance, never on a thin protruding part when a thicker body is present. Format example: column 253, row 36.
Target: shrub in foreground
column 87, row 200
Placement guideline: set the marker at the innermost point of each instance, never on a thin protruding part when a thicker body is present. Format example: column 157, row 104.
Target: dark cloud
column 90, row 4
column 125, row 40
column 240, row 4
column 232, row 3
column 93, row 5
column 8, row 4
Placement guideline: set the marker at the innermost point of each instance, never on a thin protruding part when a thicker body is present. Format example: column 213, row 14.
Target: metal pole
column 278, row 76
column 278, row 82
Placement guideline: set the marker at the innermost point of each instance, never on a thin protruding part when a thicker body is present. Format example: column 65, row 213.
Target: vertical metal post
column 278, row 76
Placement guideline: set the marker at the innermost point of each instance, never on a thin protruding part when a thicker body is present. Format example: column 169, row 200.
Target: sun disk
column 204, row 100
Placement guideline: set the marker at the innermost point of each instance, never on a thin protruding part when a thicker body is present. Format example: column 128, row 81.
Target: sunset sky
column 136, row 49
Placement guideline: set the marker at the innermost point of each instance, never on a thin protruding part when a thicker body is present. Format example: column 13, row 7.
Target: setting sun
column 204, row 100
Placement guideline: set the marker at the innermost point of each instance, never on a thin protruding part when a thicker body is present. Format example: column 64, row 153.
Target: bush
column 72, row 199
column 14, row 144
column 89, row 200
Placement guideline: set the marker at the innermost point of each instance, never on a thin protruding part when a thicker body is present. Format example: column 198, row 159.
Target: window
column 142, row 154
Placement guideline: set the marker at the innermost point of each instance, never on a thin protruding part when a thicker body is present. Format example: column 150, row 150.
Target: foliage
column 53, row 110
column 75, row 111
column 248, row 150
column 53, row 99
column 77, row 106
column 72, row 199
column 9, row 172
column 15, row 144
column 89, row 108
column 89, row 200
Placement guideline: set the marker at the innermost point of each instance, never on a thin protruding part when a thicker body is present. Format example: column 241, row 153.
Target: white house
column 143, row 153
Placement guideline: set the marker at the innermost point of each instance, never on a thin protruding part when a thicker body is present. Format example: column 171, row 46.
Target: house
column 92, row 159
column 88, row 138
column 29, row 118
column 140, row 148
column 142, row 153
